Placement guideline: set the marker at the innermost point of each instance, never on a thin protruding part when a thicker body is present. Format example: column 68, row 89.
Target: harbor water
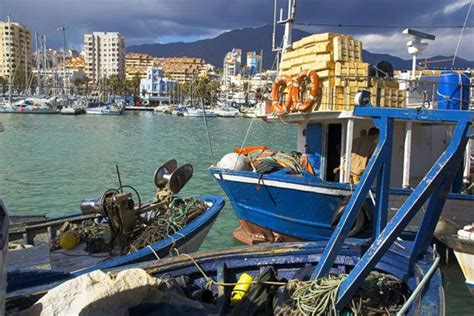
column 49, row 163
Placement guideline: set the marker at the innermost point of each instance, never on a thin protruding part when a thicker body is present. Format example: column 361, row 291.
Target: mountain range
column 259, row 39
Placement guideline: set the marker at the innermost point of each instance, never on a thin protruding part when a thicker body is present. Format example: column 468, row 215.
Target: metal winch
column 120, row 208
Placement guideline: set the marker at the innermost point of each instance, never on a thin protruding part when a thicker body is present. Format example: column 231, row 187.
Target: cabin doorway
column 333, row 157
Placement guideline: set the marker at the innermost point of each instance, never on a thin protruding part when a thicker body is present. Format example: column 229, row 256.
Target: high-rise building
column 254, row 63
column 105, row 55
column 232, row 65
column 21, row 53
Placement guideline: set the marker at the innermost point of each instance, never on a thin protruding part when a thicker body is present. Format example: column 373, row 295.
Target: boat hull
column 464, row 252
column 29, row 111
column 286, row 259
column 186, row 240
column 266, row 205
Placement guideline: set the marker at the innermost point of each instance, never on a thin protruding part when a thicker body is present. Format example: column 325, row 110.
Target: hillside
column 260, row 38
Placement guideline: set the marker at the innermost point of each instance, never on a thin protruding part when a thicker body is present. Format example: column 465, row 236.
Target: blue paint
column 314, row 138
column 382, row 153
column 435, row 185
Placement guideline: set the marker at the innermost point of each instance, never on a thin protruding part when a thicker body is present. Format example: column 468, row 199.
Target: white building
column 254, row 63
column 232, row 65
column 105, row 55
column 156, row 88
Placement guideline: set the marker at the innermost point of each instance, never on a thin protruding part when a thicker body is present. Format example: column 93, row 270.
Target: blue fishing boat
column 114, row 230
column 301, row 195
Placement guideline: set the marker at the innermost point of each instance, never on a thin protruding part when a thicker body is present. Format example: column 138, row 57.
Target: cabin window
column 333, row 150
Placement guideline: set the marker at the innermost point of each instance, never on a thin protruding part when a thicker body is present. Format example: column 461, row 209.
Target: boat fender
column 241, row 288
column 361, row 221
column 467, row 232
column 234, row 161
column 69, row 240
column 303, row 86
column 282, row 83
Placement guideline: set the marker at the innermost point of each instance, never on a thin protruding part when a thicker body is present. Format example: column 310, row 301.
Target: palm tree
column 3, row 84
column 77, row 83
column 115, row 84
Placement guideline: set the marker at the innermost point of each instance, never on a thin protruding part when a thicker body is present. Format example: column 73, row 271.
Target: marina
column 331, row 181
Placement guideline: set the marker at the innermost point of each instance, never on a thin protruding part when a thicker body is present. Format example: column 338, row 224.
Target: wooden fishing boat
column 287, row 261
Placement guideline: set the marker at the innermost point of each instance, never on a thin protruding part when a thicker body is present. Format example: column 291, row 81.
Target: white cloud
column 445, row 44
column 454, row 6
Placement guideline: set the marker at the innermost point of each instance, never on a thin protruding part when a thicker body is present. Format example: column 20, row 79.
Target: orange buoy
column 303, row 87
column 282, row 83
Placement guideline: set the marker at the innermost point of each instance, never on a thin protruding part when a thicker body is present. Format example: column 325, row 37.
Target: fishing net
column 380, row 294
column 177, row 215
column 169, row 217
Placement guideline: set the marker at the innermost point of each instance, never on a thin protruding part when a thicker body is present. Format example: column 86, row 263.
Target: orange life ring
column 314, row 91
column 282, row 83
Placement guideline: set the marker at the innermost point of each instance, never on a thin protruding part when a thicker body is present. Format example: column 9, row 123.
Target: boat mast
column 45, row 61
column 38, row 69
column 10, row 66
column 26, row 71
column 63, row 29
column 287, row 36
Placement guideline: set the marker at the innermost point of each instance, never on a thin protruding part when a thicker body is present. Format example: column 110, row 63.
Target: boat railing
column 433, row 190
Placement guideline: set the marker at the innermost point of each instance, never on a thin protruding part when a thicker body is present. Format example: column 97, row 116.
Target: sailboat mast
column 45, row 62
column 10, row 66
column 63, row 29
column 37, row 65
column 26, row 70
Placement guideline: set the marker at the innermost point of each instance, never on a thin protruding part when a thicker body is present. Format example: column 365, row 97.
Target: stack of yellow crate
column 337, row 59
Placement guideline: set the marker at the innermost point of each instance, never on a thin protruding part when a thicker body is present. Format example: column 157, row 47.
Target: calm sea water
column 49, row 163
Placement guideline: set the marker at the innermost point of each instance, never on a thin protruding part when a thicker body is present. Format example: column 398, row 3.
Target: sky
column 160, row 21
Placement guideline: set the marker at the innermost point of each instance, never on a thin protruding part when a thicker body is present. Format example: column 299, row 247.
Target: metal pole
column 420, row 286
column 349, row 140
column 10, row 66
column 38, row 76
column 45, row 62
column 274, row 24
column 63, row 29
column 407, row 155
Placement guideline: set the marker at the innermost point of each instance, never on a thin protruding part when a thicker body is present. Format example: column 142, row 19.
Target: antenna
column 288, row 26
column 416, row 46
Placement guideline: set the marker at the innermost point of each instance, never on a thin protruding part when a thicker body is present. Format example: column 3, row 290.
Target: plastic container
column 453, row 91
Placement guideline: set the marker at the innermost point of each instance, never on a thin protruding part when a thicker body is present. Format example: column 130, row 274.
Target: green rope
column 380, row 293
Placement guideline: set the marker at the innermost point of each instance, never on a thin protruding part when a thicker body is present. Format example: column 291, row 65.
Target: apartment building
column 21, row 52
column 104, row 55
column 232, row 65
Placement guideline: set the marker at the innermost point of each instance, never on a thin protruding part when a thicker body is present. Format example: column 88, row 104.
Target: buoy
column 69, row 240
column 241, row 288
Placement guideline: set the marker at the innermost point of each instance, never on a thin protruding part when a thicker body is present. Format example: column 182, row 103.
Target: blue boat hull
column 186, row 240
column 286, row 259
column 293, row 207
